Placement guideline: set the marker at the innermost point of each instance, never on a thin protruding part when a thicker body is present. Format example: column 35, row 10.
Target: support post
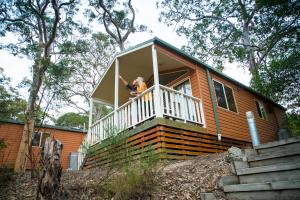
column 89, row 135
column 156, row 91
column 116, row 102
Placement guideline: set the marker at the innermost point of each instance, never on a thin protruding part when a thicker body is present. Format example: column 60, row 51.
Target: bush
column 136, row 179
column 134, row 182
column 294, row 124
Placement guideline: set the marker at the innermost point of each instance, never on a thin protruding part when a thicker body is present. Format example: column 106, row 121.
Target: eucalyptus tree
column 38, row 26
column 118, row 20
column 249, row 32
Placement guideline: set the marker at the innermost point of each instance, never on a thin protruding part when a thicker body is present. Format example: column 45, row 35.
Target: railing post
column 157, row 106
column 134, row 112
column 183, row 105
column 89, row 135
column 202, row 114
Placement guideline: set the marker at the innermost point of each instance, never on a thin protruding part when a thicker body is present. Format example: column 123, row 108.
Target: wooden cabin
column 189, row 108
column 12, row 130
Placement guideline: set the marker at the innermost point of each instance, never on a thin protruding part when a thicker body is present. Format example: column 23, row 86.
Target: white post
column 156, row 92
column 89, row 136
column 116, row 103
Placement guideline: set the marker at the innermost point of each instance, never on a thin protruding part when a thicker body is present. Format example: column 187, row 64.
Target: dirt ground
column 175, row 180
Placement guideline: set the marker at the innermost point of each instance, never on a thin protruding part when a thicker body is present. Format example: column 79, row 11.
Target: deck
column 168, row 138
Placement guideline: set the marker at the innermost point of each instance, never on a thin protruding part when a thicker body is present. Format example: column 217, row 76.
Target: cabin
column 11, row 131
column 189, row 108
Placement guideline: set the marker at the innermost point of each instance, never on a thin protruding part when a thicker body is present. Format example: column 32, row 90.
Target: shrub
column 136, row 179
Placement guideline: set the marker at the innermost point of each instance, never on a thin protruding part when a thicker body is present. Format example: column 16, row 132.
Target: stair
column 271, row 172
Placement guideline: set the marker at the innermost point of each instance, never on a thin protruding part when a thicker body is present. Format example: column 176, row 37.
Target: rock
column 236, row 154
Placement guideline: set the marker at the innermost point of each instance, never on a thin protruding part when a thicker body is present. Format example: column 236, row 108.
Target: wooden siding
column 12, row 134
column 178, row 141
column 233, row 125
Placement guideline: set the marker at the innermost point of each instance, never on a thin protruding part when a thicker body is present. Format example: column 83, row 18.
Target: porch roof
column 140, row 55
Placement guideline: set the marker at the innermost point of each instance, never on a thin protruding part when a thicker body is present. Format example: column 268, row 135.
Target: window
column 39, row 139
column 225, row 97
column 261, row 110
column 184, row 87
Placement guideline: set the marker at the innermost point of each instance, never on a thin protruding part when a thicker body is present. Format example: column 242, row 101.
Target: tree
column 38, row 25
column 249, row 32
column 280, row 81
column 73, row 120
column 79, row 70
column 11, row 105
column 117, row 22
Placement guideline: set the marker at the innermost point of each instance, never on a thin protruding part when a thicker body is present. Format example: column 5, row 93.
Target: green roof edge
column 12, row 121
column 158, row 41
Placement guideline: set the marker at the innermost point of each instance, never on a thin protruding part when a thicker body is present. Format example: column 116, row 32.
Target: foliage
column 11, row 105
column 38, row 26
column 281, row 81
column 78, row 71
column 117, row 22
column 73, row 120
column 136, row 179
column 294, row 123
column 2, row 144
column 250, row 32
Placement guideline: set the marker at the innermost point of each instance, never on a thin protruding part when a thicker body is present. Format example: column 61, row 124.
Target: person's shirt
column 141, row 88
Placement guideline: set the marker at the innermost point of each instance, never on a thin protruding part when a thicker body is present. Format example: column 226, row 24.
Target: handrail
column 125, row 104
column 178, row 92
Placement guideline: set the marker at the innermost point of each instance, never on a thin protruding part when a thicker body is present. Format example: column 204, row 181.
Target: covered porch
column 169, row 93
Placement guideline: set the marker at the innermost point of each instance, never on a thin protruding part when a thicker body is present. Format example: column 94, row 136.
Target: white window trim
column 261, row 106
column 41, row 136
column 181, row 81
column 227, row 109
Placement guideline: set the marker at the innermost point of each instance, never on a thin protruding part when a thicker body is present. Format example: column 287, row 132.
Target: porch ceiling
column 131, row 65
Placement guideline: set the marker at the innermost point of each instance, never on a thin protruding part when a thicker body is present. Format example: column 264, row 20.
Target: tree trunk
column 20, row 164
column 24, row 152
column 49, row 187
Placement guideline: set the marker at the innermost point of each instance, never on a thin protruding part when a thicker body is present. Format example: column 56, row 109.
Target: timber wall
column 12, row 134
column 166, row 138
column 233, row 125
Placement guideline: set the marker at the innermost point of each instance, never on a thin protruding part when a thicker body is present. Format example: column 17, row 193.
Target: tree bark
column 49, row 186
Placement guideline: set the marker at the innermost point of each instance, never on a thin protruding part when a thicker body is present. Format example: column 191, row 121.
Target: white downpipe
column 252, row 128
column 158, row 110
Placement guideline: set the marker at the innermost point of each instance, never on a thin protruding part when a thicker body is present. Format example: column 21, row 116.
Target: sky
column 146, row 13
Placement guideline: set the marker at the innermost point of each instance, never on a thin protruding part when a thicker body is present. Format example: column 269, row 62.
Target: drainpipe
column 252, row 128
column 212, row 96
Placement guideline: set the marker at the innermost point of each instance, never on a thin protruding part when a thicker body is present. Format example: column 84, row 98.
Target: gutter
column 212, row 96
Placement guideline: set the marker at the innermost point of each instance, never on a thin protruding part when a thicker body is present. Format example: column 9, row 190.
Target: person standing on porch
column 132, row 87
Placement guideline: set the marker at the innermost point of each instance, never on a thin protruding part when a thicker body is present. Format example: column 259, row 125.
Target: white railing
column 181, row 106
column 174, row 104
column 135, row 111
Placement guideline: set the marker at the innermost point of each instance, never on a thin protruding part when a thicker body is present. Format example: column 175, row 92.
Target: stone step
column 271, row 147
column 283, row 190
column 283, row 156
column 270, row 173
column 278, row 143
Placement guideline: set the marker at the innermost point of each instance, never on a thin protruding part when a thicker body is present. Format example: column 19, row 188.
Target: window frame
column 182, row 81
column 41, row 137
column 234, row 99
column 261, row 105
